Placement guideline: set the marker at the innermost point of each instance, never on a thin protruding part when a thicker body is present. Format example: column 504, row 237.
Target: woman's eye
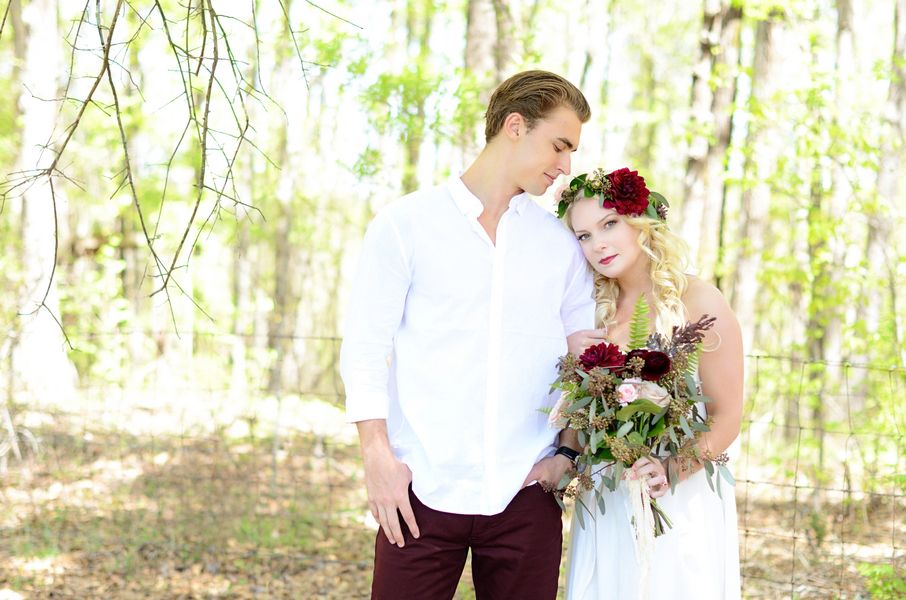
column 582, row 237
column 608, row 224
column 557, row 148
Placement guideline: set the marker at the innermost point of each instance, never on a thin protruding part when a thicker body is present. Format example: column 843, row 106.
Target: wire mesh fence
column 189, row 475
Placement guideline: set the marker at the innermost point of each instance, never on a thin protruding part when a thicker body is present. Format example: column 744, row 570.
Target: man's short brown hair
column 532, row 94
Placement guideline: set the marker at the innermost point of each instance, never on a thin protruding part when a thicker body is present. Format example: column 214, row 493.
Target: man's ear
column 514, row 126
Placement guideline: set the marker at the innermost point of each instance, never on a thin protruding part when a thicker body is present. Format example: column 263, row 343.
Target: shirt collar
column 469, row 204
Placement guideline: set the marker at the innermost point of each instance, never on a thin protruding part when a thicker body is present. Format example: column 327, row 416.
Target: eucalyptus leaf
column 578, row 404
column 618, row 469
column 624, row 429
column 690, row 384
column 659, row 416
column 658, row 429
column 672, row 435
column 725, row 472
column 636, row 406
column 685, row 425
column 604, row 454
column 719, row 494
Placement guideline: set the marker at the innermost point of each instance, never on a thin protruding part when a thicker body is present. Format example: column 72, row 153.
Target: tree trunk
column 419, row 18
column 20, row 40
column 711, row 112
column 761, row 160
column 479, row 65
column 40, row 359
column 819, row 314
column 281, row 322
column 241, row 292
column 489, row 54
column 503, row 42
column 891, row 188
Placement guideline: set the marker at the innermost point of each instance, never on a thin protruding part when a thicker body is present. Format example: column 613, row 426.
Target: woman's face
column 610, row 244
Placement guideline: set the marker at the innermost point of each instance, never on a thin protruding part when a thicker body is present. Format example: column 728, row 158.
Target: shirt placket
column 495, row 356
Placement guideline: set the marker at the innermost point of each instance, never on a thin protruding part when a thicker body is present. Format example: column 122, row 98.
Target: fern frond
column 638, row 327
column 692, row 365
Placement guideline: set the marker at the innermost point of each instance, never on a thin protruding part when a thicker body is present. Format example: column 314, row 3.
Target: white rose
column 652, row 391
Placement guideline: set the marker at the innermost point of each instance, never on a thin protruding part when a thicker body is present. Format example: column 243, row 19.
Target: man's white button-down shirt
column 472, row 331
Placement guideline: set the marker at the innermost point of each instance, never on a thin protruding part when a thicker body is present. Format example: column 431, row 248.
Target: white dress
column 696, row 559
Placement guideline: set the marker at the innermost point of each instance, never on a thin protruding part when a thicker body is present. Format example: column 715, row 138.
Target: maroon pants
column 515, row 554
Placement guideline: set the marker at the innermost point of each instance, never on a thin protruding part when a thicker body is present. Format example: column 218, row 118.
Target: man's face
column 544, row 152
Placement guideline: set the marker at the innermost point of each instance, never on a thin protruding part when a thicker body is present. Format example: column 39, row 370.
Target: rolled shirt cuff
column 365, row 405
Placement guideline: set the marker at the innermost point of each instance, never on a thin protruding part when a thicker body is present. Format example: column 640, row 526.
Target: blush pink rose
column 626, row 393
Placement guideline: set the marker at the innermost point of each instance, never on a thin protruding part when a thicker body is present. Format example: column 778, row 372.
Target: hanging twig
column 9, row 3
column 203, row 166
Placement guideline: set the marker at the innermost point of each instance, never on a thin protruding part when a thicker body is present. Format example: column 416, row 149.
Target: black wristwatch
column 569, row 453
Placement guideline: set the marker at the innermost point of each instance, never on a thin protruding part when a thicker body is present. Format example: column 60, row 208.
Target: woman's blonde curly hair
column 669, row 258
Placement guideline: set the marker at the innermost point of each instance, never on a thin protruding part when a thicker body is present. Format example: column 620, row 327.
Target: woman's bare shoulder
column 702, row 297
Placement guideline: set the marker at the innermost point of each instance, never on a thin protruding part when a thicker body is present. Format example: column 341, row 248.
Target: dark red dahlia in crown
column 628, row 194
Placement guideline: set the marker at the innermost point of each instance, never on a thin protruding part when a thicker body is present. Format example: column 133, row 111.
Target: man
column 471, row 289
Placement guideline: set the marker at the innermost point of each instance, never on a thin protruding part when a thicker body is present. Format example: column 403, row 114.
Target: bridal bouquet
column 628, row 405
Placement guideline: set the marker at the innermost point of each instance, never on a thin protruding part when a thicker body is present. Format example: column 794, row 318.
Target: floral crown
column 622, row 190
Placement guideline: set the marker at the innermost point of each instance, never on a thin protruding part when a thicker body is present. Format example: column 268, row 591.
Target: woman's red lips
column 606, row 260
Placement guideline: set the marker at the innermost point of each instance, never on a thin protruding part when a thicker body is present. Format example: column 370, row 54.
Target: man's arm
column 551, row 470
column 577, row 312
column 387, row 481
column 374, row 315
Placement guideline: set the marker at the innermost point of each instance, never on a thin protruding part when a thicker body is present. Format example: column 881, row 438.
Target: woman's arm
column 720, row 369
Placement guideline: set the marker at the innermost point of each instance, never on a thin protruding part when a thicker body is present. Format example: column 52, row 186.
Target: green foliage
column 397, row 101
column 884, row 582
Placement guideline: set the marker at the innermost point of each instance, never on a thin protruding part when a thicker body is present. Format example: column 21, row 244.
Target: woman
column 624, row 235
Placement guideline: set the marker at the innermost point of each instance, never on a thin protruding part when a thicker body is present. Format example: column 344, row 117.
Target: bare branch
column 74, row 125
column 204, row 40
column 333, row 15
column 292, row 35
column 128, row 171
column 53, row 268
column 9, row 3
column 204, row 160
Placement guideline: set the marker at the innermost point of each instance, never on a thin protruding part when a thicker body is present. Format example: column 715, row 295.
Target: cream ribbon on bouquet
column 641, row 521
